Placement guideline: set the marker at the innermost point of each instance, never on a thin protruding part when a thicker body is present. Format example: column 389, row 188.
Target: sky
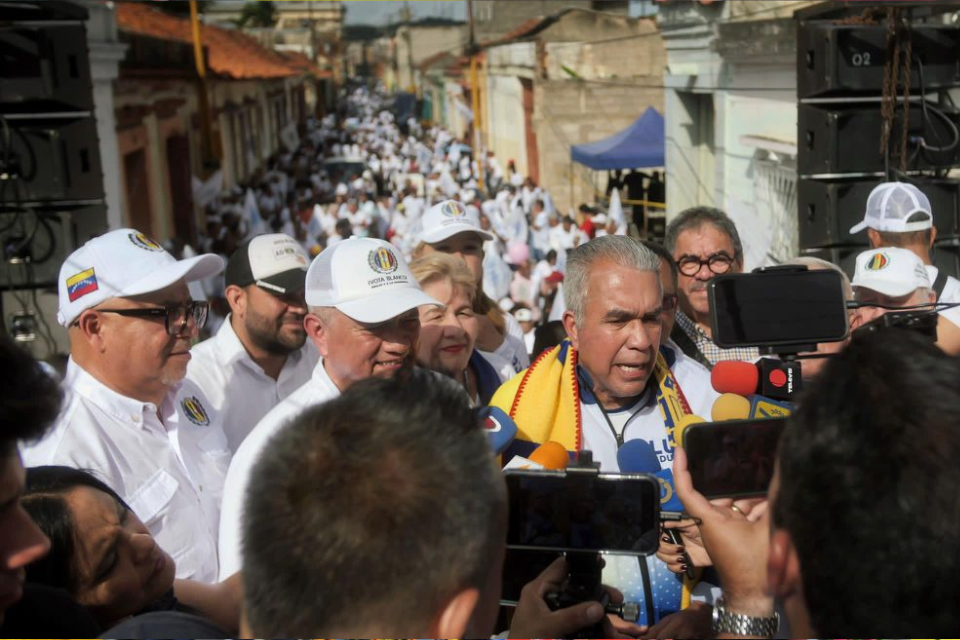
column 381, row 12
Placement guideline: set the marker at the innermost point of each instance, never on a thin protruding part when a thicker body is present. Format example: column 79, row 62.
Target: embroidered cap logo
column 142, row 241
column 383, row 261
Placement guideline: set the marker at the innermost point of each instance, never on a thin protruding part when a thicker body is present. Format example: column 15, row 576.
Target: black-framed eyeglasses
column 717, row 263
column 174, row 317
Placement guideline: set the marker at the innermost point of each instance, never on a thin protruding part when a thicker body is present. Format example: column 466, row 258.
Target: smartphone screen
column 557, row 511
column 732, row 459
column 774, row 308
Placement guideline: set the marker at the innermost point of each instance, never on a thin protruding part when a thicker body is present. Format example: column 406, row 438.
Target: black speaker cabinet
column 845, row 139
column 835, row 59
column 44, row 68
column 828, row 208
column 43, row 238
column 58, row 159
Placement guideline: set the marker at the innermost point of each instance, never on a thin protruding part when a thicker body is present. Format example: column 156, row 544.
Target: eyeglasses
column 175, row 317
column 717, row 263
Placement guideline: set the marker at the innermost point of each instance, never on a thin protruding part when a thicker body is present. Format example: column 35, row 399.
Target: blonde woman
column 448, row 336
column 449, row 227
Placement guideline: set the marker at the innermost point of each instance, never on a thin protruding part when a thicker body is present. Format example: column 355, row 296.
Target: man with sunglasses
column 130, row 417
column 704, row 243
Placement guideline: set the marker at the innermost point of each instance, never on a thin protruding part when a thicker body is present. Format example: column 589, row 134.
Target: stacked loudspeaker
column 51, row 183
column 841, row 59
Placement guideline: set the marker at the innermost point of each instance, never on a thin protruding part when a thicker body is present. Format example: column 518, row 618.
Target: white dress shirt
column 317, row 390
column 237, row 387
column 167, row 463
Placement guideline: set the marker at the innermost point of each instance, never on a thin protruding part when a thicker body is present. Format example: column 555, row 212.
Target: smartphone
column 733, row 459
column 576, row 511
column 780, row 306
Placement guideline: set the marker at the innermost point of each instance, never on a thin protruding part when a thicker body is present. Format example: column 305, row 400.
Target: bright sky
column 380, row 12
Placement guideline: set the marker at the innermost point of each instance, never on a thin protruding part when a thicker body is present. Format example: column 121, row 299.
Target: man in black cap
column 259, row 356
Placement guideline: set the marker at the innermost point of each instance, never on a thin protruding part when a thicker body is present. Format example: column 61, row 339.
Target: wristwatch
column 725, row 621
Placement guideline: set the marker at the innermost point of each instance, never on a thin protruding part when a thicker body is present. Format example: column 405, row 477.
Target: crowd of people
column 318, row 466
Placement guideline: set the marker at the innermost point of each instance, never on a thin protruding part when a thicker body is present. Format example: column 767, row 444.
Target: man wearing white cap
column 891, row 277
column 449, row 227
column 131, row 419
column 364, row 321
column 899, row 215
column 259, row 356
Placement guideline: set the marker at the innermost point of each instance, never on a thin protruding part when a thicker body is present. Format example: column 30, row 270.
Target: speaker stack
column 840, row 75
column 51, row 182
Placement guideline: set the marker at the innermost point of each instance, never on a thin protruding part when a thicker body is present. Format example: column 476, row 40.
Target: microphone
column 761, row 408
column 776, row 379
column 549, row 456
column 499, row 427
column 730, row 406
column 639, row 456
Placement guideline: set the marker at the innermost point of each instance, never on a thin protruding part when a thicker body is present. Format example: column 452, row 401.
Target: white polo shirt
column 317, row 390
column 169, row 472
column 237, row 387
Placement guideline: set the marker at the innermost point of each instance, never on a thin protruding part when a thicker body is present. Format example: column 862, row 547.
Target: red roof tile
column 229, row 53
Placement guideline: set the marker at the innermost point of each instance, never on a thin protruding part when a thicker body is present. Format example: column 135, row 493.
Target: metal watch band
column 725, row 621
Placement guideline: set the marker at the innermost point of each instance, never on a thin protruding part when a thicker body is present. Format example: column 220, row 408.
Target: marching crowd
column 315, row 465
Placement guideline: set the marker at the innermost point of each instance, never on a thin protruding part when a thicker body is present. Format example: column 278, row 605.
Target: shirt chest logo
column 193, row 409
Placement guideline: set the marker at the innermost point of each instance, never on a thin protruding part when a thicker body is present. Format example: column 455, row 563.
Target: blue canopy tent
column 639, row 145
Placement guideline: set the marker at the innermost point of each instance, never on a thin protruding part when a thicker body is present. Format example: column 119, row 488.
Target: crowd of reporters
column 317, row 466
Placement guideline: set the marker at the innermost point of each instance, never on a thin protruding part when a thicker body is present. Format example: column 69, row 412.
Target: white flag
column 615, row 212
column 204, row 192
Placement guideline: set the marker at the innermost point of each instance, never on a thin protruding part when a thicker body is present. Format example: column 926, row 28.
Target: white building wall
column 106, row 52
column 506, row 132
column 753, row 97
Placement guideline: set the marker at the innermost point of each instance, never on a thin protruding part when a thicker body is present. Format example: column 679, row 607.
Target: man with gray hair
column 703, row 242
column 362, row 316
column 607, row 383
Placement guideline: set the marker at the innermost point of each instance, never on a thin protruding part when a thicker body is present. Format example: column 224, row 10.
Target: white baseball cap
column 120, row 264
column 891, row 271
column 891, row 204
column 448, row 218
column 273, row 261
column 366, row 279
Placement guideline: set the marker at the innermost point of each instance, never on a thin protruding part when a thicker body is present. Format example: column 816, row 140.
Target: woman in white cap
column 448, row 335
column 449, row 227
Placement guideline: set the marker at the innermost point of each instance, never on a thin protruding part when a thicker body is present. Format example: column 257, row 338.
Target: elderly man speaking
column 363, row 319
column 606, row 384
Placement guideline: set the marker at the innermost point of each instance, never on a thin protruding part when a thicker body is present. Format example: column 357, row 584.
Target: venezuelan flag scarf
column 544, row 400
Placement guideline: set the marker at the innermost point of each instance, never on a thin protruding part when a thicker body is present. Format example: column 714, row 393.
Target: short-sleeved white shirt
column 169, row 472
column 951, row 294
column 237, row 387
column 318, row 389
